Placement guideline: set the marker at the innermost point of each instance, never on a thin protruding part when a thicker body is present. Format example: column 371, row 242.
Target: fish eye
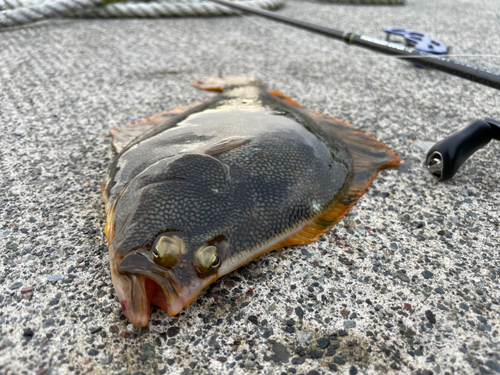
column 216, row 261
column 206, row 260
column 168, row 251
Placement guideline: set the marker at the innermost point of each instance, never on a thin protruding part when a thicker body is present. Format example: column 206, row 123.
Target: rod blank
column 462, row 70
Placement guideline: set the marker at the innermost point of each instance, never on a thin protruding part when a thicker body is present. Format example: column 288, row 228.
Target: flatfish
column 196, row 192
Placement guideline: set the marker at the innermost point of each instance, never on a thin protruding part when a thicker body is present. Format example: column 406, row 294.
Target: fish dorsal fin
column 124, row 134
column 221, row 83
column 369, row 157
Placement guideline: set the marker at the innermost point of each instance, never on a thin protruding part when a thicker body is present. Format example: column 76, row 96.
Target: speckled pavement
column 406, row 283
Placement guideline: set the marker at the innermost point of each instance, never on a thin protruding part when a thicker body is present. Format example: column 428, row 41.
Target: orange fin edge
column 285, row 98
column 370, row 156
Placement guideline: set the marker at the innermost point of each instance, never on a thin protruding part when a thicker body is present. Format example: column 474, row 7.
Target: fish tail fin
column 369, row 158
column 221, row 83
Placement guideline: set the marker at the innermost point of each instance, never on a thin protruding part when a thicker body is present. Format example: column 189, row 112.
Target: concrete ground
column 407, row 283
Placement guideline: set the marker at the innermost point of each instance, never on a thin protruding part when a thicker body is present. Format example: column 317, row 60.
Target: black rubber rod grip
column 446, row 156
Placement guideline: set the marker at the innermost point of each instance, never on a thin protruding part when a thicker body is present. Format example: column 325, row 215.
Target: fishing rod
column 445, row 158
column 459, row 69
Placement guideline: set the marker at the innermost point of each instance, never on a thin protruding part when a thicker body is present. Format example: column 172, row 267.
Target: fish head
column 166, row 235
column 170, row 274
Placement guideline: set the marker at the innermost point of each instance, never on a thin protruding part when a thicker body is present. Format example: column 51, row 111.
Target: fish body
column 203, row 190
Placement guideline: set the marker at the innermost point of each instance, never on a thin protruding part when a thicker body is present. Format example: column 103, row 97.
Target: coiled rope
column 21, row 12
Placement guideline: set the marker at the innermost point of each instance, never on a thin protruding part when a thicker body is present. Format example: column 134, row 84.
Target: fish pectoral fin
column 220, row 83
column 124, row 134
column 222, row 146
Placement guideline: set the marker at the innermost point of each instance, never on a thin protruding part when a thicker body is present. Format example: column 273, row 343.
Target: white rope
column 23, row 12
column 172, row 9
column 20, row 12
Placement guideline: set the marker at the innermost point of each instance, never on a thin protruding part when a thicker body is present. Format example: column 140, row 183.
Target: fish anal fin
column 220, row 83
column 320, row 225
column 369, row 158
column 285, row 98
column 122, row 135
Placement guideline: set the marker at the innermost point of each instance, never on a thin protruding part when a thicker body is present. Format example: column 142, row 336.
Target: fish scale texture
column 252, row 194
column 406, row 283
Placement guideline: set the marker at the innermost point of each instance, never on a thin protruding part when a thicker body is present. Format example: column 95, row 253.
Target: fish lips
column 140, row 270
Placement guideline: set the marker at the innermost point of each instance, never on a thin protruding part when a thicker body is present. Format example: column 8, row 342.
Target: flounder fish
column 196, row 192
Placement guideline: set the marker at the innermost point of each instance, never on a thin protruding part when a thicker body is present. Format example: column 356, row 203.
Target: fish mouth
column 140, row 283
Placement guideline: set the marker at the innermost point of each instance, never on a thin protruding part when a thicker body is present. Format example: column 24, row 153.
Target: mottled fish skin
column 240, row 172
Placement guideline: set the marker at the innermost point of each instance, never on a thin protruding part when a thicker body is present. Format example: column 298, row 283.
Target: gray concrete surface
column 407, row 283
